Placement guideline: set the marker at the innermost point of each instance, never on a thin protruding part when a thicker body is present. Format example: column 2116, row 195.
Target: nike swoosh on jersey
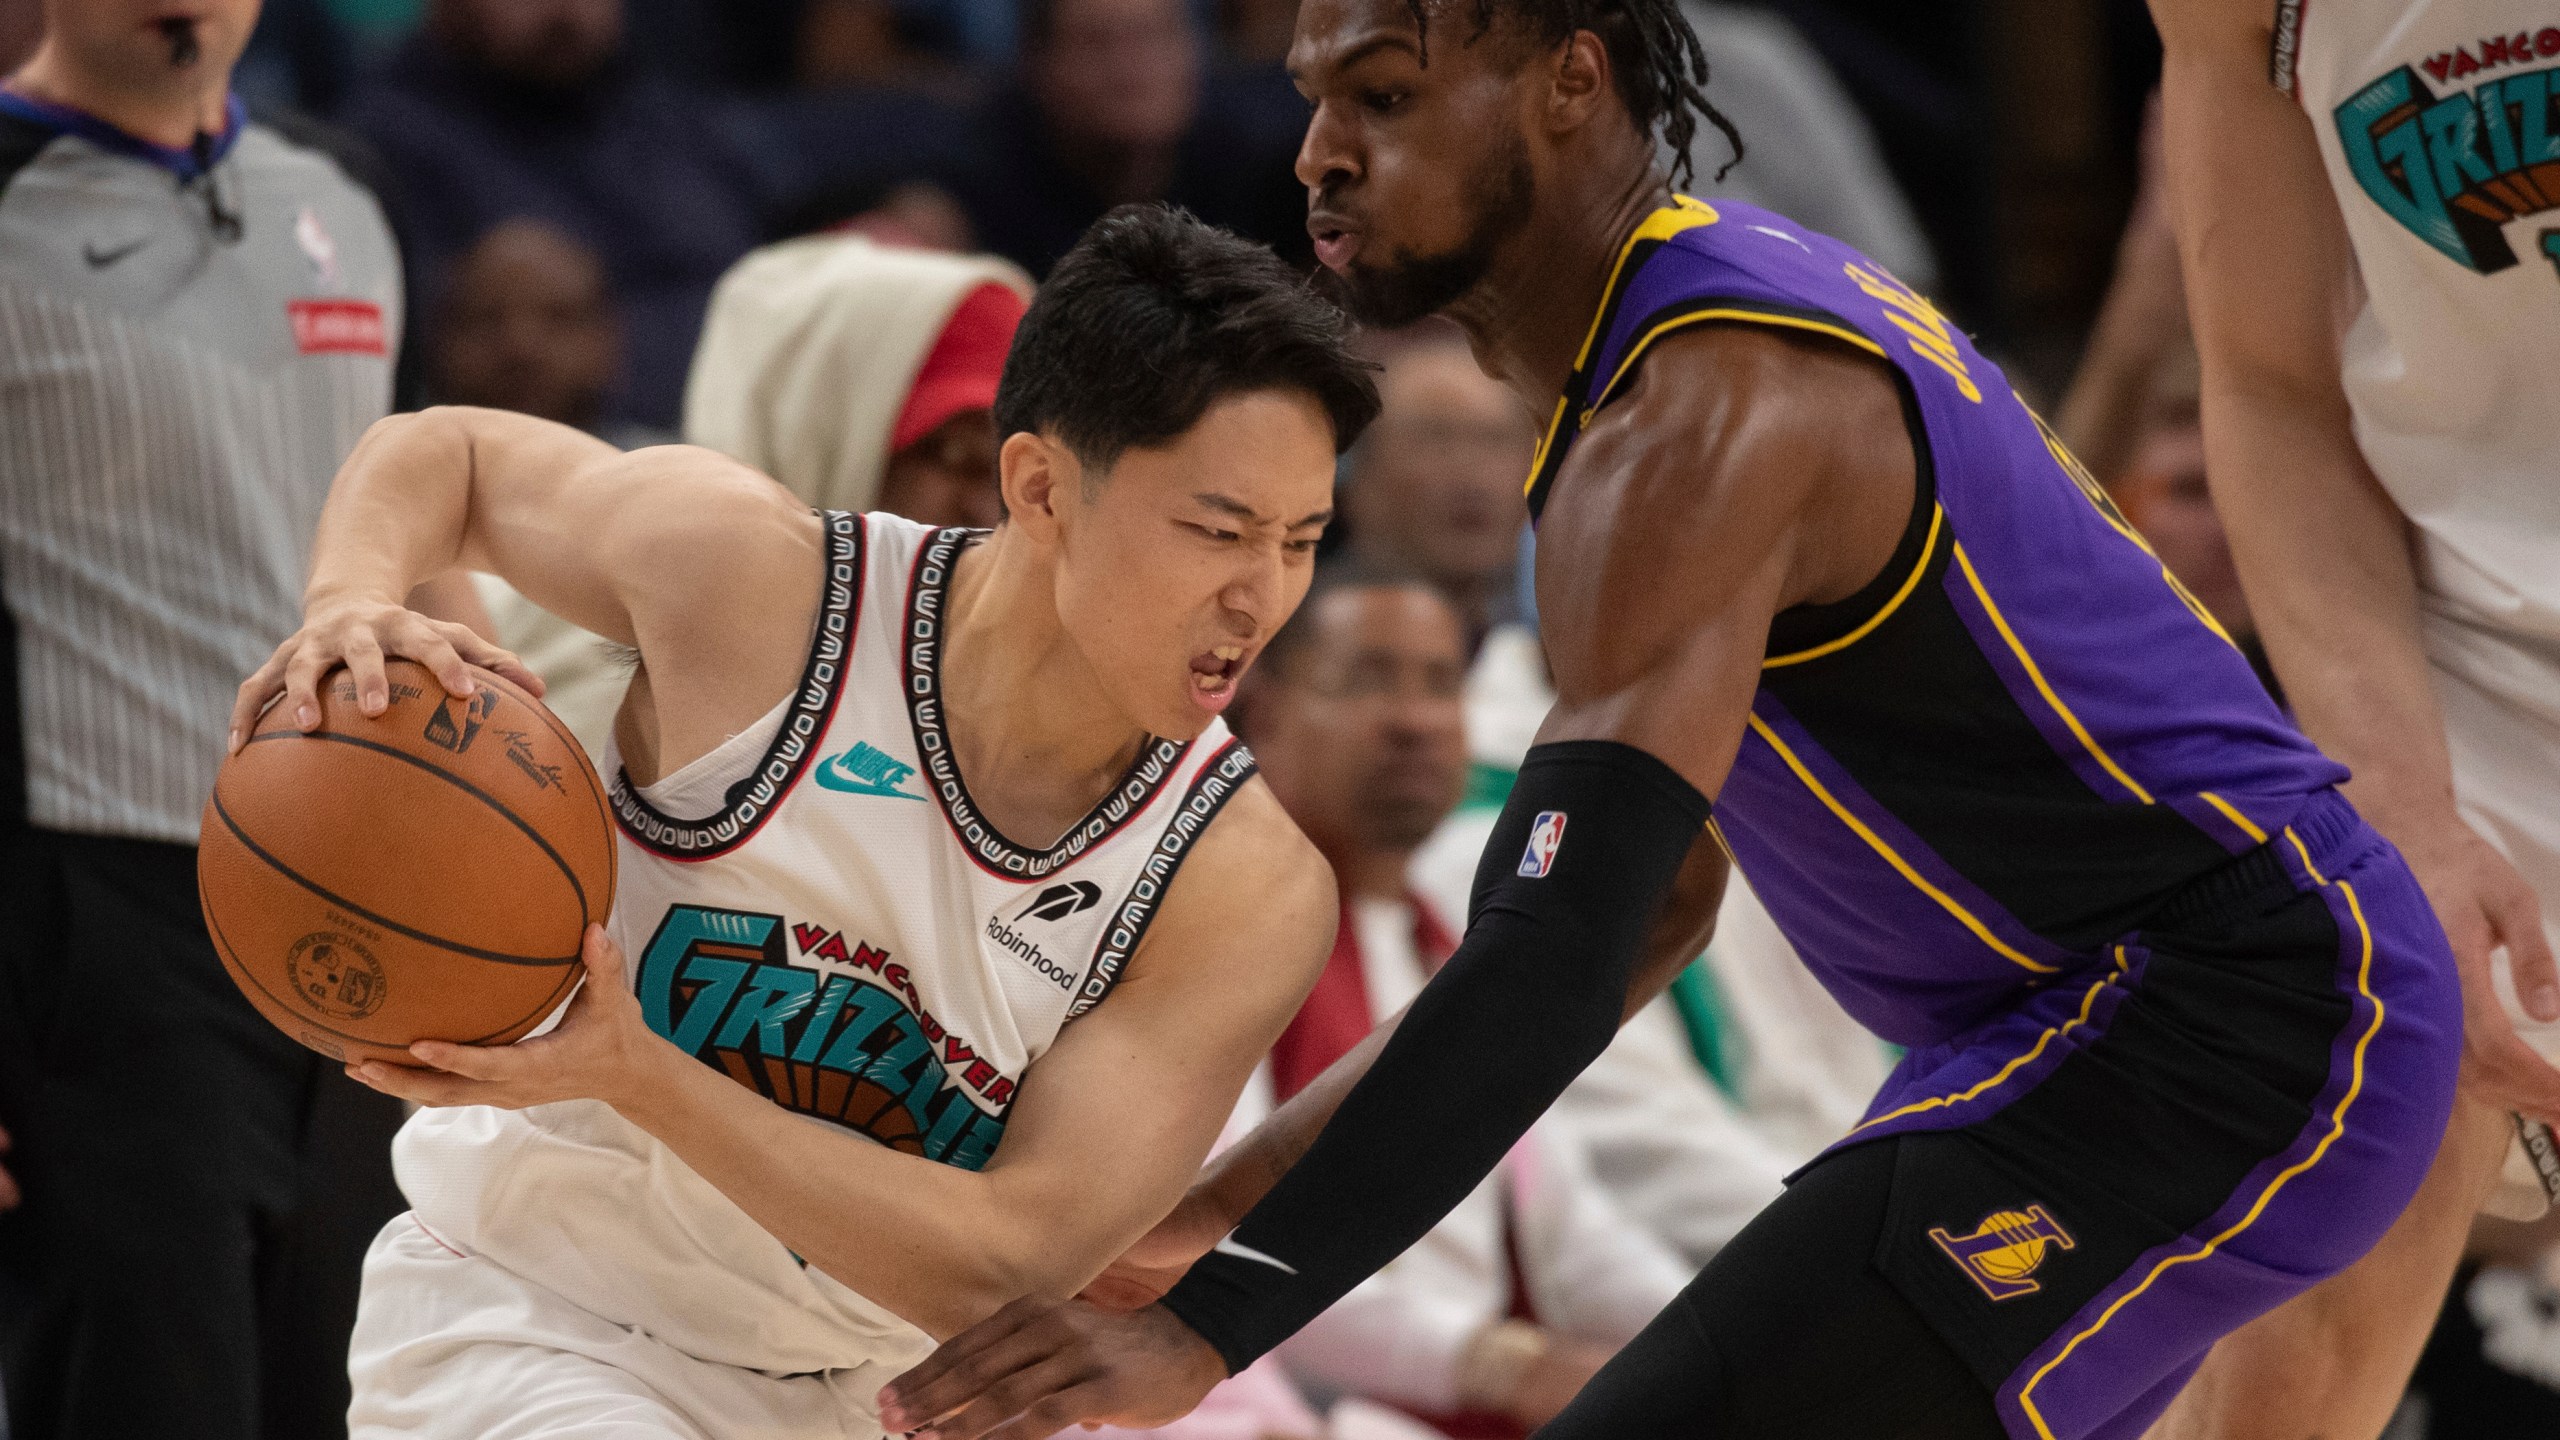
column 100, row 259
column 833, row 775
column 1228, row 1246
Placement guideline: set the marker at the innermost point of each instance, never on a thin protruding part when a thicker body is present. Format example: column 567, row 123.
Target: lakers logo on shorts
column 2002, row 1253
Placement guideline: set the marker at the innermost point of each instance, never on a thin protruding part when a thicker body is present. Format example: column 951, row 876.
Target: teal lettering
column 955, row 1111
column 907, row 1047
column 815, row 1036
column 720, row 980
column 977, row 1143
column 2453, row 144
column 2492, row 98
column 872, row 1008
column 2415, row 200
column 2531, row 95
column 665, row 955
column 777, row 996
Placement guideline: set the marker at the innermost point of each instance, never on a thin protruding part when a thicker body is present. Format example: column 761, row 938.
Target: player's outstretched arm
column 2322, row 550
column 1742, row 473
column 658, row 548
column 1107, row 1129
column 1237, row 1178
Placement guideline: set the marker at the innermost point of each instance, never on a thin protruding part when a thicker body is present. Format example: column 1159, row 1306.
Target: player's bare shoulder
column 685, row 505
column 1784, row 456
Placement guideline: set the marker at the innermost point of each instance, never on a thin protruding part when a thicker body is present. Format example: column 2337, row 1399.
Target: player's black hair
column 1154, row 317
column 1660, row 67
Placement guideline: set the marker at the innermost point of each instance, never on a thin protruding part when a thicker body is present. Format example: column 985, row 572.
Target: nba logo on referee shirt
column 1546, row 836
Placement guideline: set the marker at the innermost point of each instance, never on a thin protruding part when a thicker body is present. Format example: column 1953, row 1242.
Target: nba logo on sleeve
column 1546, row 836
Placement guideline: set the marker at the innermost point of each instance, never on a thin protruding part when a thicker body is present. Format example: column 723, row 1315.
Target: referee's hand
column 361, row 635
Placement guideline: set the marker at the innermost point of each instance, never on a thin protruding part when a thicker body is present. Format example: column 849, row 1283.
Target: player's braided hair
column 1661, row 68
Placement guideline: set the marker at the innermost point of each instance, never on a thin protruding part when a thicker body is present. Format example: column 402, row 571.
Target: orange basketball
column 422, row 875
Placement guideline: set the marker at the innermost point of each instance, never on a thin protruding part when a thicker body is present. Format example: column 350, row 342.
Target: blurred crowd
column 802, row 231
column 666, row 138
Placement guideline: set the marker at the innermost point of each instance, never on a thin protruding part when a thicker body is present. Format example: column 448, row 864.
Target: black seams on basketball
column 423, row 874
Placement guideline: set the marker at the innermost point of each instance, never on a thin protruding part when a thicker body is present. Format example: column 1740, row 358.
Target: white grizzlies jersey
column 2439, row 121
column 837, row 927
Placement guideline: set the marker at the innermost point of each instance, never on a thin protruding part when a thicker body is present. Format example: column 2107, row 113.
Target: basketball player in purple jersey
column 2377, row 303
column 2182, row 1031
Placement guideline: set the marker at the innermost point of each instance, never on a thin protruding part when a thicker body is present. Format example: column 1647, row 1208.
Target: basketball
column 424, row 874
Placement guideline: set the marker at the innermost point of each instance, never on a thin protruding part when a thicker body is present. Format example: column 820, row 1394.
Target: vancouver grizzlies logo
column 838, row 1032
column 2456, row 169
column 2003, row 1252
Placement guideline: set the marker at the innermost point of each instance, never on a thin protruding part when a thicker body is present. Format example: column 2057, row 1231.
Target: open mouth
column 1336, row 242
column 1213, row 675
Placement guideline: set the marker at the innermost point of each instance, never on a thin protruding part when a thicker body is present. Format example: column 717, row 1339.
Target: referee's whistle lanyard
column 223, row 218
column 195, row 167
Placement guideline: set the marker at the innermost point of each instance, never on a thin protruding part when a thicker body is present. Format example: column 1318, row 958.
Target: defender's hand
column 2486, row 905
column 1036, row 1366
column 9, row 1196
column 601, row 1050
column 360, row 634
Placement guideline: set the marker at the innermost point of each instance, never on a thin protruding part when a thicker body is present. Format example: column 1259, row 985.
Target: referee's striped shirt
column 186, row 354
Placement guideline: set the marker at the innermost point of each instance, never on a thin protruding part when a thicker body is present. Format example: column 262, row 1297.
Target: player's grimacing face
column 1178, row 567
column 1415, row 172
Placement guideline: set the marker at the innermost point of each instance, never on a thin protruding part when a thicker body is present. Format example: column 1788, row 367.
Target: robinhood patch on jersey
column 837, row 1033
column 2456, row 169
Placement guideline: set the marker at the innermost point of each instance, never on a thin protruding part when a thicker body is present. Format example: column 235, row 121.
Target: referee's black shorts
column 199, row 1189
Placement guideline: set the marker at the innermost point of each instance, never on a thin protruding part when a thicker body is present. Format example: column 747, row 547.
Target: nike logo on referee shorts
column 1228, row 1246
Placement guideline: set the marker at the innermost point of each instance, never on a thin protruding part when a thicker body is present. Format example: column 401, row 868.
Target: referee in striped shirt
column 197, row 320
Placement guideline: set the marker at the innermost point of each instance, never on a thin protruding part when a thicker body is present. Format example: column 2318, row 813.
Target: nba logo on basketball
column 2002, row 1253
column 1546, row 836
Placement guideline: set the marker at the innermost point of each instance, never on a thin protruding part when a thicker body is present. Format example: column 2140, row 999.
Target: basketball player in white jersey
column 2365, row 193
column 951, row 918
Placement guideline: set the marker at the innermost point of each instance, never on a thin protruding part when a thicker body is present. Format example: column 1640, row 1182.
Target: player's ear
column 1035, row 473
column 1579, row 82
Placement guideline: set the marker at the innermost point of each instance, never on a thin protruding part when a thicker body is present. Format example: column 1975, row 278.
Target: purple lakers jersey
column 1967, row 779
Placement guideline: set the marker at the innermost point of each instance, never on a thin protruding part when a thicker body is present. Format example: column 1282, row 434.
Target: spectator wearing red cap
column 860, row 375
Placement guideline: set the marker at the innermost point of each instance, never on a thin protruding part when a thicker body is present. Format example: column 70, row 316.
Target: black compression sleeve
column 1589, row 843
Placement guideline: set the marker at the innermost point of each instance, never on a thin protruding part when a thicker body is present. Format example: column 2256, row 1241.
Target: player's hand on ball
column 1038, row 1366
column 360, row 634
column 601, row 1050
column 2485, row 905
